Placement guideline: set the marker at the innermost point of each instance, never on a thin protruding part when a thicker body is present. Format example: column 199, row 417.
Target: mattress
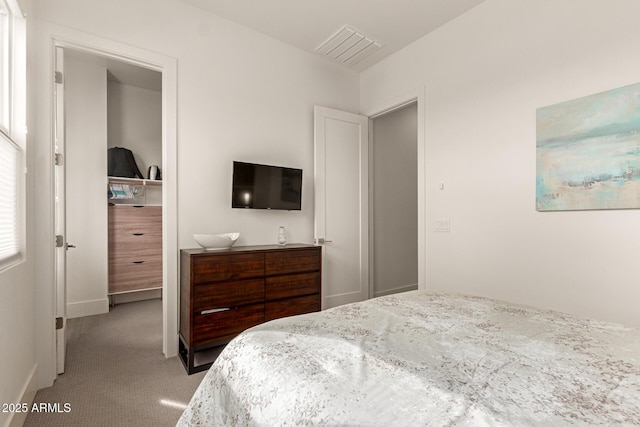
column 424, row 358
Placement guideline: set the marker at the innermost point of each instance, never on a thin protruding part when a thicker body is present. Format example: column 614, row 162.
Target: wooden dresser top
column 240, row 249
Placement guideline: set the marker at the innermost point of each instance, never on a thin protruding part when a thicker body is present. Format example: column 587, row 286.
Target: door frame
column 60, row 201
column 395, row 103
column 73, row 39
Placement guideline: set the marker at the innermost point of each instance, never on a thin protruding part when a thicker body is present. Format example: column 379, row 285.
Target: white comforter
column 424, row 359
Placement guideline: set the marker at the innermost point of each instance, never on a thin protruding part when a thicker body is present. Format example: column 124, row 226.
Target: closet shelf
column 134, row 181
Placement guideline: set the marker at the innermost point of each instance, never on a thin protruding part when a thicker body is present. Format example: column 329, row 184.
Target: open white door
column 60, row 218
column 341, row 144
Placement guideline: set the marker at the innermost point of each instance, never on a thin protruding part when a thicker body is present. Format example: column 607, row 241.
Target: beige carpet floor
column 116, row 374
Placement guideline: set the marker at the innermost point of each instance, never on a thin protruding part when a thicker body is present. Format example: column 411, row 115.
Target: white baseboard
column 395, row 290
column 87, row 308
column 27, row 395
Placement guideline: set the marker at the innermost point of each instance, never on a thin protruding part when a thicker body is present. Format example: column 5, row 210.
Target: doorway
column 346, row 190
column 165, row 68
column 414, row 97
column 394, row 201
column 108, row 103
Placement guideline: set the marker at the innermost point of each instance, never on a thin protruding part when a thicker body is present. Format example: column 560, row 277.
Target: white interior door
column 60, row 218
column 85, row 167
column 341, row 204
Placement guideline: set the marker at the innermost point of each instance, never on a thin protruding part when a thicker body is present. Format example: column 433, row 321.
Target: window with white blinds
column 5, row 65
column 11, row 154
column 10, row 224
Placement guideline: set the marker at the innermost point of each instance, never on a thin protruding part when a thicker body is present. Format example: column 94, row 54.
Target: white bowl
column 216, row 242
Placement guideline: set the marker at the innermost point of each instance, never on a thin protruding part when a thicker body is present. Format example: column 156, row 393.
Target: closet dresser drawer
column 144, row 239
column 134, row 218
column 135, row 248
column 142, row 273
column 222, row 293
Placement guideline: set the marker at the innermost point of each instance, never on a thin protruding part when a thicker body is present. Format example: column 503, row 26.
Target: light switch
column 442, row 225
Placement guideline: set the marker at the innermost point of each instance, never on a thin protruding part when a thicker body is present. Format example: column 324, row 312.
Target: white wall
column 485, row 75
column 394, row 178
column 17, row 344
column 135, row 122
column 241, row 96
column 85, row 79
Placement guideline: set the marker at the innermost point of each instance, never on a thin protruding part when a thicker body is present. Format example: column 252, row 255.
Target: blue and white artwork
column 588, row 152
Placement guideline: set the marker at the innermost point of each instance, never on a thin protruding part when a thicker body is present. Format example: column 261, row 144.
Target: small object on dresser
column 216, row 242
column 282, row 236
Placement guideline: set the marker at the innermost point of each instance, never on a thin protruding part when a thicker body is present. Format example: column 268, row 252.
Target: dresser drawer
column 220, row 325
column 133, row 250
column 141, row 236
column 136, row 274
column 292, row 285
column 298, row 261
column 225, row 267
column 227, row 295
column 291, row 307
column 135, row 218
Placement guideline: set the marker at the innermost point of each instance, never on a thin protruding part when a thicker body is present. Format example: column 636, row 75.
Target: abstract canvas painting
column 588, row 152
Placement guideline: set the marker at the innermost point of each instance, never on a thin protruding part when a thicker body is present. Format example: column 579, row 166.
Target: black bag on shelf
column 120, row 162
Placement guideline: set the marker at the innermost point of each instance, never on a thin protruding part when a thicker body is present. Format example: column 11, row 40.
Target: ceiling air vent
column 348, row 46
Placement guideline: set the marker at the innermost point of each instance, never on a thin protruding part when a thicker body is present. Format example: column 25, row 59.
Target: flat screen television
column 266, row 187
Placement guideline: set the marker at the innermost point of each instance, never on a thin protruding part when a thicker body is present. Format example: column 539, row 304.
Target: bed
column 424, row 358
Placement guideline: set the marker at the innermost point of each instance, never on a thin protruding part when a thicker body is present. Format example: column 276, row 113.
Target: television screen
column 266, row 187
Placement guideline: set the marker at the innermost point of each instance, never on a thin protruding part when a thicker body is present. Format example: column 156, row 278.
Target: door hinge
column 59, row 241
column 58, row 77
column 59, row 159
column 59, row 323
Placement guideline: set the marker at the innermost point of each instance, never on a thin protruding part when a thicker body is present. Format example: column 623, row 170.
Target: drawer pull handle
column 138, row 262
column 138, row 206
column 138, row 234
column 214, row 310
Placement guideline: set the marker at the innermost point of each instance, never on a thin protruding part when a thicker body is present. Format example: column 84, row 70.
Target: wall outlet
column 442, row 225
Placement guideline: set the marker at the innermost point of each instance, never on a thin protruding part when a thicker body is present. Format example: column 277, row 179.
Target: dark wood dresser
column 222, row 293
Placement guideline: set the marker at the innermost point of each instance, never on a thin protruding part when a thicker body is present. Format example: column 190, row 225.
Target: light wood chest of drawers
column 222, row 293
column 135, row 248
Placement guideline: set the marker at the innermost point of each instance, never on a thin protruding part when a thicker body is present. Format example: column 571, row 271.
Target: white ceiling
column 307, row 24
column 119, row 71
column 133, row 75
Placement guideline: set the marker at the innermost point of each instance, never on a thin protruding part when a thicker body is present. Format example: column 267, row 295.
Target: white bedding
column 424, row 359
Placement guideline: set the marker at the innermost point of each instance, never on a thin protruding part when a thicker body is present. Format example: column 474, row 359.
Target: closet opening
column 394, row 200
column 113, row 189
